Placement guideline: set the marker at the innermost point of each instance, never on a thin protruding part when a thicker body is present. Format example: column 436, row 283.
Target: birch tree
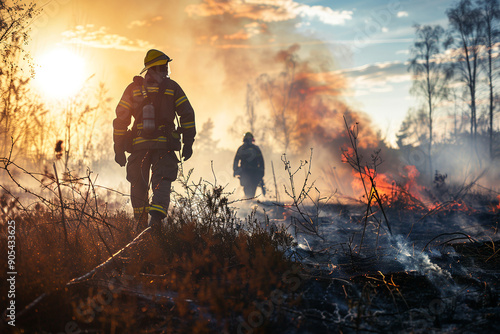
column 430, row 74
column 466, row 32
column 490, row 13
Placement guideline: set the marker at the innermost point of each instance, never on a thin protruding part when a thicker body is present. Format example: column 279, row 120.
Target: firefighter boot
column 155, row 221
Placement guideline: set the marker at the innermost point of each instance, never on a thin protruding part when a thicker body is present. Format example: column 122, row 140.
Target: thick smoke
column 224, row 49
column 298, row 102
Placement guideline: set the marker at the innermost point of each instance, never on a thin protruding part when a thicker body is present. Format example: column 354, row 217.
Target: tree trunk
column 429, row 101
column 490, row 79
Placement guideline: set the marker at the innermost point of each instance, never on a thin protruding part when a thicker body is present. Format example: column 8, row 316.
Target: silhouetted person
column 153, row 101
column 249, row 165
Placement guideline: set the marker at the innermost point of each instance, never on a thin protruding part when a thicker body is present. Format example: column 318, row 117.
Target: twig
column 307, row 222
column 443, row 234
column 100, row 268
column 275, row 184
column 62, row 204
column 354, row 160
column 7, row 162
column 213, row 173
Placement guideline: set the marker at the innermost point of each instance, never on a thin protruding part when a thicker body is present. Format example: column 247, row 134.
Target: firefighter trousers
column 249, row 181
column 163, row 165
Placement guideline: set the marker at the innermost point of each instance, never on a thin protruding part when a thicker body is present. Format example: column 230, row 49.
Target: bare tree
column 490, row 12
column 15, row 17
column 411, row 131
column 279, row 92
column 82, row 117
column 466, row 31
column 458, row 120
column 20, row 109
column 205, row 141
column 430, row 75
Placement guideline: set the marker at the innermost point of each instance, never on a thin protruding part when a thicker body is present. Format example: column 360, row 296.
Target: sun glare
column 60, row 74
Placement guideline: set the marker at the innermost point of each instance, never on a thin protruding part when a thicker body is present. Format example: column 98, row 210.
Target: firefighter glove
column 120, row 158
column 187, row 151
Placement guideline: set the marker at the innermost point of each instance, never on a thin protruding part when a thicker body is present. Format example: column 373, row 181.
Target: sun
column 60, row 74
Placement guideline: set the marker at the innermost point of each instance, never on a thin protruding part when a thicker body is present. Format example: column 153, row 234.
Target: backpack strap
column 160, row 103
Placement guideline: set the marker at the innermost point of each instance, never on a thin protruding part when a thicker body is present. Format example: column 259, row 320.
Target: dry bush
column 45, row 262
column 221, row 265
column 215, row 265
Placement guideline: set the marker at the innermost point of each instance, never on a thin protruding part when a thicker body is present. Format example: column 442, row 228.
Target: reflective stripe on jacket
column 173, row 101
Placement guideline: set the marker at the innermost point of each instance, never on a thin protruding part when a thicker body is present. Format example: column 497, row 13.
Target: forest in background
column 453, row 130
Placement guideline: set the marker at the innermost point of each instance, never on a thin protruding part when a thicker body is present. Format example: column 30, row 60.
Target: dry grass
column 216, row 267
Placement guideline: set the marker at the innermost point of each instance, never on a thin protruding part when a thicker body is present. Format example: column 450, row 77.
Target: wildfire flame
column 408, row 192
column 411, row 185
column 382, row 182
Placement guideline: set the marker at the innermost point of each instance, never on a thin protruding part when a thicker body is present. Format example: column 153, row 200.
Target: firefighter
column 249, row 166
column 155, row 102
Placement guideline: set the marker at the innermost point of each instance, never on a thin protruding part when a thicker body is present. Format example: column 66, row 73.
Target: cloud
column 392, row 67
column 302, row 24
column 268, row 10
column 323, row 14
column 100, row 38
column 402, row 14
column 249, row 30
column 144, row 23
column 378, row 77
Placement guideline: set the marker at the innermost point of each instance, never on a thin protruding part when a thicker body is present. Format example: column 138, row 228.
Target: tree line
column 452, row 67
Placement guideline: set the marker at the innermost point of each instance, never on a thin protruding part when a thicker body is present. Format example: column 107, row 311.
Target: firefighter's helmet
column 248, row 137
column 155, row 58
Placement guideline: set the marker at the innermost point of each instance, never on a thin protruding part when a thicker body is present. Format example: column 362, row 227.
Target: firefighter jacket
column 169, row 101
column 249, row 161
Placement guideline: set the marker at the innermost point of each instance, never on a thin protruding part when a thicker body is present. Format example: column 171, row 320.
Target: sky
column 219, row 46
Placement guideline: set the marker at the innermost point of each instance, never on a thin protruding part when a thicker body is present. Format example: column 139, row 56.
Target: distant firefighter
column 249, row 166
column 154, row 101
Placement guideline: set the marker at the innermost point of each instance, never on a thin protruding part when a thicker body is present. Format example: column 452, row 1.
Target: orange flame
column 383, row 183
column 347, row 152
column 409, row 192
column 411, row 185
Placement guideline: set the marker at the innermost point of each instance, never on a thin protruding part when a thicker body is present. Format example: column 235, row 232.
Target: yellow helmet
column 155, row 58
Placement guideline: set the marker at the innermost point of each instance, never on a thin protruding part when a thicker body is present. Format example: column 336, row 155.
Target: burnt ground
column 435, row 273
